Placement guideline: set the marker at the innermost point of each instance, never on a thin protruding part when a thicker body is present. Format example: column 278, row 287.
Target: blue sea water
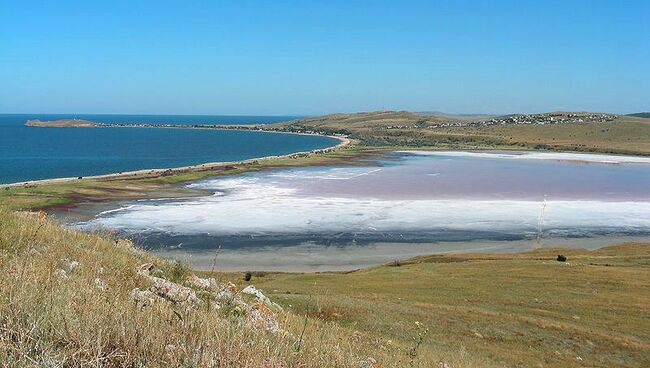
column 29, row 153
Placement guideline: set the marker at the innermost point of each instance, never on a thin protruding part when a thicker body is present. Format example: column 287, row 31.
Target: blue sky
column 304, row 57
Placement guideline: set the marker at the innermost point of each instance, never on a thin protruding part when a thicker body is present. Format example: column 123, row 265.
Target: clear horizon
column 303, row 59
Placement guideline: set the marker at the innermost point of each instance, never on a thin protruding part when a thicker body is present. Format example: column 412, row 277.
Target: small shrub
column 561, row 258
column 247, row 276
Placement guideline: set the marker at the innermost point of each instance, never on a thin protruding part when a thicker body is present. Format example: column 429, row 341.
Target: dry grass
column 50, row 322
column 626, row 135
column 497, row 310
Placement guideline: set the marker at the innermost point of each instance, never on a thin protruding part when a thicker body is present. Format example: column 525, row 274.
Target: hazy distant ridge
column 641, row 115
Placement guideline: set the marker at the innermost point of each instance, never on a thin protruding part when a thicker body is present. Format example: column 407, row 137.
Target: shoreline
column 317, row 258
column 206, row 166
column 344, row 142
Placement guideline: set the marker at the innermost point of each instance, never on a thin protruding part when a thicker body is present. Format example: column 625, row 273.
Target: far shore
column 158, row 172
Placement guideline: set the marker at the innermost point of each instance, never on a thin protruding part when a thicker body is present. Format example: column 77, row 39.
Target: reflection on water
column 408, row 199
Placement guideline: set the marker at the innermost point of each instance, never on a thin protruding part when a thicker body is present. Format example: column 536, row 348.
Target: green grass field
column 487, row 310
column 494, row 310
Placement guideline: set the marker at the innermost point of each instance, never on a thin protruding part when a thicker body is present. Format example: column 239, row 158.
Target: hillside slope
column 73, row 299
column 502, row 310
column 564, row 131
column 69, row 299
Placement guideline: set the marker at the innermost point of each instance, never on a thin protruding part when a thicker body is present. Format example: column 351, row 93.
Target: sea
column 31, row 153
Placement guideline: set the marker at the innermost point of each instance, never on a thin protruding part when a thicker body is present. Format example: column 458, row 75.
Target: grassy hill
column 494, row 310
column 625, row 135
column 450, row 311
column 65, row 302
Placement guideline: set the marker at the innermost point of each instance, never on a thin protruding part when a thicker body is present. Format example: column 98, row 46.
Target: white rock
column 260, row 316
column 200, row 283
column 368, row 363
column 227, row 293
column 100, row 284
column 174, row 292
column 252, row 290
column 144, row 298
column 60, row 274
column 72, row 265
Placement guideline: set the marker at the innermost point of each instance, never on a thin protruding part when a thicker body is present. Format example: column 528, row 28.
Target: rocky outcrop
column 260, row 316
column 202, row 284
column 179, row 295
column 175, row 293
column 251, row 290
column 257, row 313
column 145, row 298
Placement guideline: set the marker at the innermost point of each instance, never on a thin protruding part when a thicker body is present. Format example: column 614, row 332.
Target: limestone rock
column 174, row 292
column 101, row 284
column 71, row 265
column 252, row 290
column 145, row 298
column 60, row 274
column 201, row 283
column 227, row 293
column 368, row 363
column 260, row 316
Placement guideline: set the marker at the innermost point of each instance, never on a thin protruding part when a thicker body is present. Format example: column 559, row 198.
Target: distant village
column 520, row 119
